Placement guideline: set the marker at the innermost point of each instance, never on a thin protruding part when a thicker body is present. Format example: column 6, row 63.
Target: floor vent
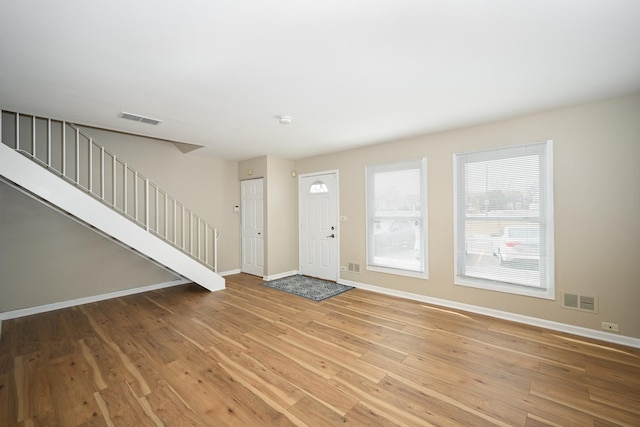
column 354, row 268
column 580, row 302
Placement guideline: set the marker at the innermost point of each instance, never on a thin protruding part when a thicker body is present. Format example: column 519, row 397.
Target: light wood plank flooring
column 251, row 355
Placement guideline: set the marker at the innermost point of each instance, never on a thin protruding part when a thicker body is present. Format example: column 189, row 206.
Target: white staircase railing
column 68, row 152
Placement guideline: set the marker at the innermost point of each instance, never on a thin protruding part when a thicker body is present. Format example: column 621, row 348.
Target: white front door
column 319, row 226
column 252, row 211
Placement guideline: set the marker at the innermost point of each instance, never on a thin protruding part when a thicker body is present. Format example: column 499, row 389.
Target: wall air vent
column 580, row 302
column 141, row 119
column 354, row 268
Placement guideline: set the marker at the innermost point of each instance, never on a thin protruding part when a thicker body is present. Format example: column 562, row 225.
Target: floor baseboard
column 229, row 272
column 86, row 300
column 505, row 315
column 281, row 275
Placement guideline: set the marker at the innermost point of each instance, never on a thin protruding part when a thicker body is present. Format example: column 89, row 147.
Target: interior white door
column 252, row 213
column 319, row 226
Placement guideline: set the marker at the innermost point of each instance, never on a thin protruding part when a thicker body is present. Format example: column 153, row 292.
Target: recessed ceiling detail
column 141, row 119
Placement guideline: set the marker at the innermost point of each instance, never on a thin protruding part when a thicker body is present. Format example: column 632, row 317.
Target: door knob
column 332, row 235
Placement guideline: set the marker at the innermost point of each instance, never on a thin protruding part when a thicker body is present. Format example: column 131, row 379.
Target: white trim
column 508, row 288
column 397, row 271
column 230, row 272
column 86, row 300
column 327, row 172
column 513, row 317
column 281, row 275
column 272, row 277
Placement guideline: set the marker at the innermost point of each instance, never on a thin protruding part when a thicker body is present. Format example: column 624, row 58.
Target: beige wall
column 206, row 185
column 597, row 209
column 46, row 257
column 282, row 216
column 252, row 168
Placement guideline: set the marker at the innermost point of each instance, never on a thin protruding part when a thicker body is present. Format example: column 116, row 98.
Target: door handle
column 332, row 235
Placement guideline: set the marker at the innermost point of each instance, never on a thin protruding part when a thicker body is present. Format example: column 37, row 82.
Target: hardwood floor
column 251, row 355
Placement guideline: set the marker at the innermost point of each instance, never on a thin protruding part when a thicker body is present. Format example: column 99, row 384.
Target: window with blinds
column 396, row 218
column 504, row 219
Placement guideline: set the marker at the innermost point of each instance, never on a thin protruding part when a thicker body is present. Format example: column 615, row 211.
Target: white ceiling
column 350, row 72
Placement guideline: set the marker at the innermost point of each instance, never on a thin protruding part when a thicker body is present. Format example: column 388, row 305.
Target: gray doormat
column 308, row 287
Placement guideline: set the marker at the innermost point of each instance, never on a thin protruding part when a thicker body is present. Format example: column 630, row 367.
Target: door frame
column 242, row 231
column 336, row 173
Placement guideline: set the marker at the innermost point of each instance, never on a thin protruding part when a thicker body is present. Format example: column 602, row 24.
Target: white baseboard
column 533, row 321
column 272, row 277
column 86, row 300
column 281, row 275
column 230, row 272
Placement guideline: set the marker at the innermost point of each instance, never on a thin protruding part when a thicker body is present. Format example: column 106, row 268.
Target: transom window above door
column 318, row 187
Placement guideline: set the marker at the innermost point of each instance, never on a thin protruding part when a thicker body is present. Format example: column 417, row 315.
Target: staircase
column 61, row 164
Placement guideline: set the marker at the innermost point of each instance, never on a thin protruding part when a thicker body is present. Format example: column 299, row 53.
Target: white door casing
column 252, row 212
column 319, row 238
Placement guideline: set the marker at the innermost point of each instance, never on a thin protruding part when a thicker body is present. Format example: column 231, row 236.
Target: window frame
column 370, row 171
column 544, row 150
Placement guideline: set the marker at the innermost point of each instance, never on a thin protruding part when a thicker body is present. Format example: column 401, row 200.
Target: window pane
column 503, row 187
column 397, row 192
column 504, row 229
column 506, row 251
column 395, row 244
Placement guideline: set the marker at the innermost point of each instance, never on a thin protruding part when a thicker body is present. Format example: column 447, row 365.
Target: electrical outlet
column 610, row 326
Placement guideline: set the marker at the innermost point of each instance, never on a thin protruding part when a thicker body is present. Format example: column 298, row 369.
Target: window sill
column 399, row 272
column 503, row 287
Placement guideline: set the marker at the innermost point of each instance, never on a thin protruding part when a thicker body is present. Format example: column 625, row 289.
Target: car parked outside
column 399, row 234
column 518, row 243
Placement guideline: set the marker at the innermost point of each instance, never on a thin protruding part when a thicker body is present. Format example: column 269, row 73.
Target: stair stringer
column 33, row 177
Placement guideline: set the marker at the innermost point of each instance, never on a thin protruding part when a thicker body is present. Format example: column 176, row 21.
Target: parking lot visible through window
column 504, row 219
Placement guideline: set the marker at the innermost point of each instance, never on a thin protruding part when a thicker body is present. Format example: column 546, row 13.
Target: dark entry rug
column 308, row 287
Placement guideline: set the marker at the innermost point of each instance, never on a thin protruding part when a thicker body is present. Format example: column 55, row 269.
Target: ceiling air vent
column 141, row 119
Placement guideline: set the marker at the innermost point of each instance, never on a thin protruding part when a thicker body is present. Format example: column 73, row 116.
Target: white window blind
column 396, row 218
column 504, row 219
